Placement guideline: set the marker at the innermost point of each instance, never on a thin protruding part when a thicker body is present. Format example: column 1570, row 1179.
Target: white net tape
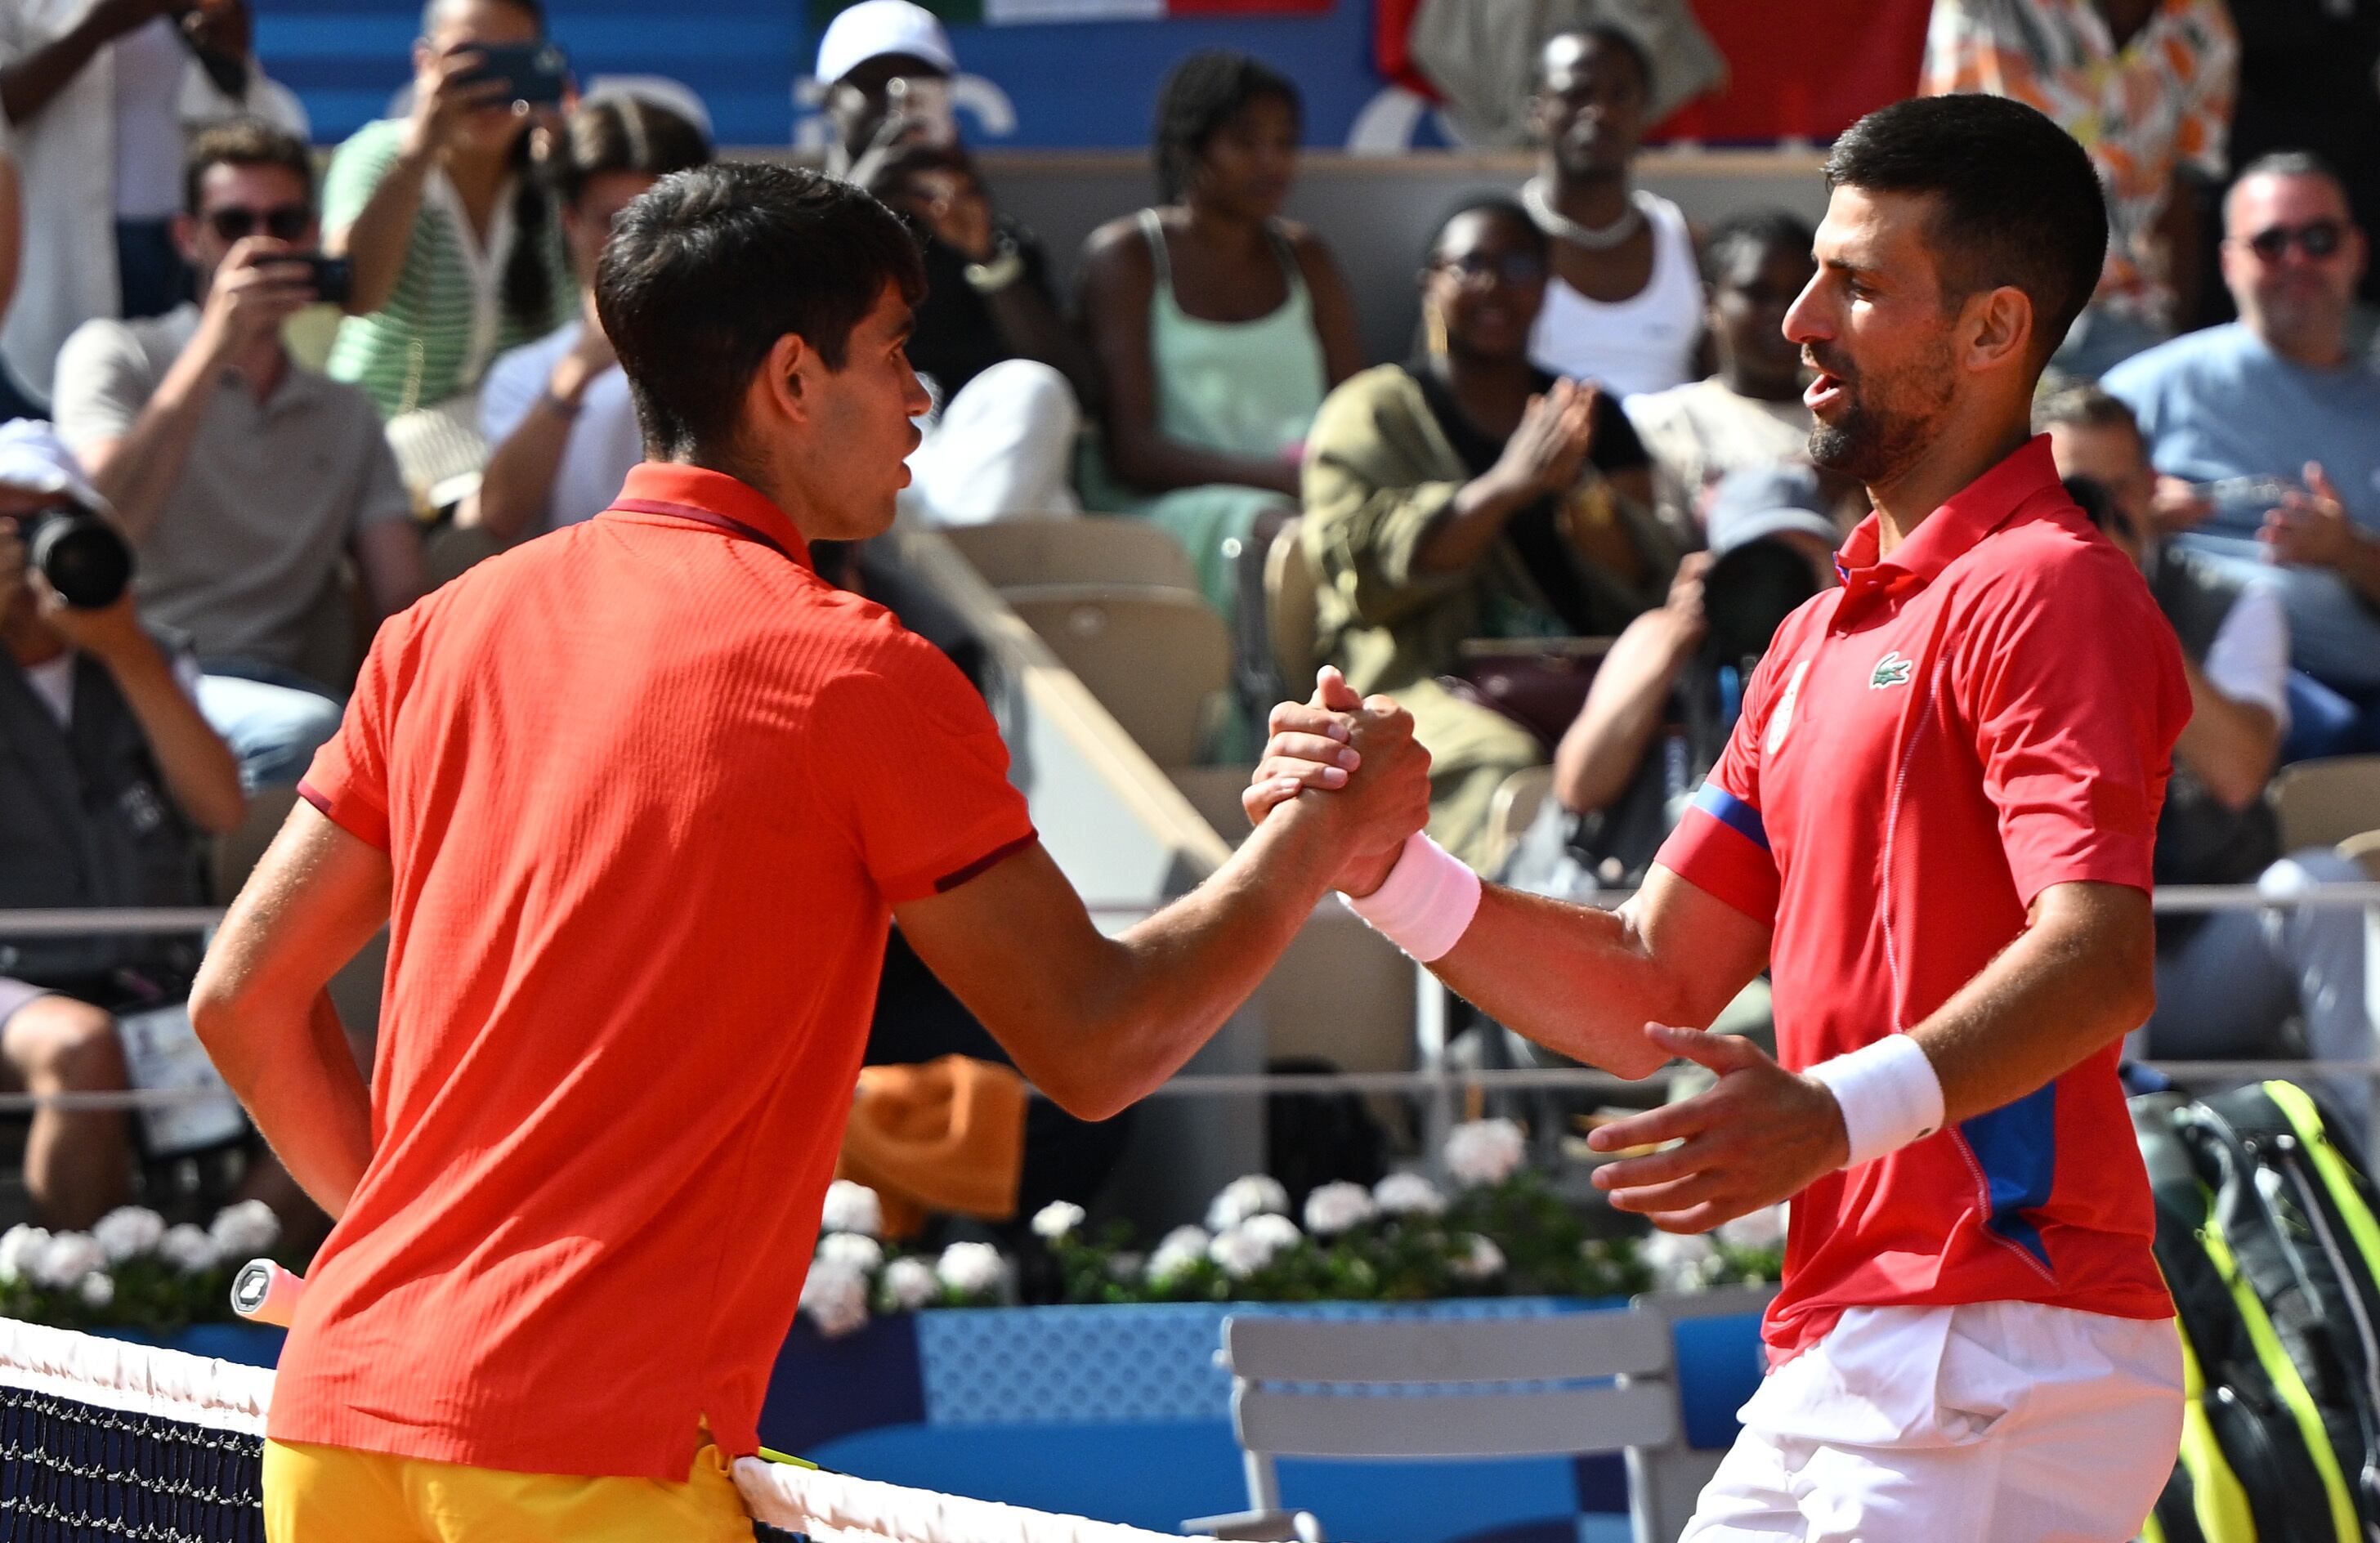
column 192, row 1389
column 835, row 1507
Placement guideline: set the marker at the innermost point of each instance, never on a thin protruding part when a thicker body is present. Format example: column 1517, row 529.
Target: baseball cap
column 1759, row 502
column 33, row 460
column 874, row 27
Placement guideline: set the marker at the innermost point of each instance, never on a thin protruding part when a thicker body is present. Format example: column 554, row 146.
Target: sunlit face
column 460, row 24
column 2292, row 256
column 1589, row 109
column 1748, row 312
column 587, row 220
column 1875, row 329
column 859, row 433
column 1486, row 282
column 271, row 206
column 1248, row 165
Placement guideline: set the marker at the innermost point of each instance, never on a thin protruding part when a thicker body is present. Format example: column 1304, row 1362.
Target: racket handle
column 264, row 1292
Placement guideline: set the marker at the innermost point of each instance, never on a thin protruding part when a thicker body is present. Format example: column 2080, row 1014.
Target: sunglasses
column 286, row 223
column 2317, row 239
column 1514, row 267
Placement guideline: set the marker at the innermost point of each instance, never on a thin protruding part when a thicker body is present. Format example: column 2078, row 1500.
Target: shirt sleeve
column 2249, row 660
column 2072, row 681
column 906, row 755
column 348, row 780
column 515, row 382
column 356, row 168
column 101, row 384
column 1721, row 843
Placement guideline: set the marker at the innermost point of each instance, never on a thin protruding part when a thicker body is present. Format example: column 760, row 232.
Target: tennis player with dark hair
column 1933, row 826
column 636, row 800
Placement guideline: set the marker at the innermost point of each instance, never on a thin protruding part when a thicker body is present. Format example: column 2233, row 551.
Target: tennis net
column 100, row 1439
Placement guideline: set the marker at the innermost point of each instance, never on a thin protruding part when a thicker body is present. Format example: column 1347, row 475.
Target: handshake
column 1351, row 766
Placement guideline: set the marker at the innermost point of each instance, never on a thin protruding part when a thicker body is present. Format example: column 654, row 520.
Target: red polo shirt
column 649, row 786
column 1986, row 712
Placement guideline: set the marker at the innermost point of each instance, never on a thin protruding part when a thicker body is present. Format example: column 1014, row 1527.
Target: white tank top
column 1643, row 343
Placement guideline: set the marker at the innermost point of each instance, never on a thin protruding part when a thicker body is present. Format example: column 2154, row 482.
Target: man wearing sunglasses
column 241, row 477
column 2278, row 424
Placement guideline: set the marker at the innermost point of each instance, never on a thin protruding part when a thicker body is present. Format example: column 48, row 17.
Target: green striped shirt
column 445, row 322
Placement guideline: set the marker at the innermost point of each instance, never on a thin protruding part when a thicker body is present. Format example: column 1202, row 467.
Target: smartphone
column 539, row 72
column 332, row 278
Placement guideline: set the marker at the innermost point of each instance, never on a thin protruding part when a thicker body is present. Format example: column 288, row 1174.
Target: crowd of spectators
column 1595, row 449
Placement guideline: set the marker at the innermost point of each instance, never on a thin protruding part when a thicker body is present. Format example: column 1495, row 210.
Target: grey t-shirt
column 271, row 496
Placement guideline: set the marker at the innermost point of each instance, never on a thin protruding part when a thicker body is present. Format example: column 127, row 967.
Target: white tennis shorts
column 1997, row 1422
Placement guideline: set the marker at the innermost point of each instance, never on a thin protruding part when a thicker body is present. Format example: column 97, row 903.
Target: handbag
column 440, row 452
column 1539, row 682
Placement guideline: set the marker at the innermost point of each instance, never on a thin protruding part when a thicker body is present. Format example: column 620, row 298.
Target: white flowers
column 188, row 1250
column 1481, row 1260
column 853, row 1208
column 834, row 1297
column 1408, row 1195
column 972, row 1268
column 1764, row 1228
column 1177, row 1252
column 96, row 1289
column 910, row 1284
column 247, row 1229
column 1242, row 1250
column 1056, row 1219
column 67, row 1259
column 1333, row 1209
column 1682, row 1261
column 21, row 1249
column 1485, row 1151
column 1256, row 1195
column 852, row 1251
column 128, row 1232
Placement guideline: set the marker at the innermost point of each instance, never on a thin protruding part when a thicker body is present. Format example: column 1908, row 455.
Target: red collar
column 1951, row 531
column 705, row 497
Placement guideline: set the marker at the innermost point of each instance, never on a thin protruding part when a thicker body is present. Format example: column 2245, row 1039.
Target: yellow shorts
column 315, row 1494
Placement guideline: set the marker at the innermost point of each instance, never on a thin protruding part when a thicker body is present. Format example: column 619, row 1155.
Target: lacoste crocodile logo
column 1891, row 670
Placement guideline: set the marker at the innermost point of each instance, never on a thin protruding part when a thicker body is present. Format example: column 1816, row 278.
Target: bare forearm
column 1600, row 751
column 376, row 243
column 2231, row 746
column 518, row 484
column 313, row 1105
column 201, row 771
column 1149, row 460
column 2061, row 992
column 28, row 86
column 1031, row 325
column 138, row 474
column 1477, row 515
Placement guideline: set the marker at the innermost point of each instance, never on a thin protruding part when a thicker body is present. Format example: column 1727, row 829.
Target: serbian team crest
column 1891, row 670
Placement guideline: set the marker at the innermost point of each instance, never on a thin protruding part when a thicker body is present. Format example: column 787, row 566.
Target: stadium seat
column 1155, row 657
column 2322, row 803
column 2364, row 851
column 1482, row 1388
column 1514, row 809
column 1098, row 549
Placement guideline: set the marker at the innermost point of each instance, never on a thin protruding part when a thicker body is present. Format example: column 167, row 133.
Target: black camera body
column 333, row 279
column 86, row 560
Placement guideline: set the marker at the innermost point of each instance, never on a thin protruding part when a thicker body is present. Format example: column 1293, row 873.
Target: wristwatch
column 1007, row 265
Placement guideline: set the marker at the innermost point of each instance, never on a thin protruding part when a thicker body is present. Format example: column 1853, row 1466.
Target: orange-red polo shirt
column 649, row 786
column 1986, row 712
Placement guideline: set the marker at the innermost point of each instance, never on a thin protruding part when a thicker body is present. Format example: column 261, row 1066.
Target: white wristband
column 1427, row 901
column 1888, row 1093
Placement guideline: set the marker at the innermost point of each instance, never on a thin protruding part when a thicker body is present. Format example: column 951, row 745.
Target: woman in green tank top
column 1218, row 327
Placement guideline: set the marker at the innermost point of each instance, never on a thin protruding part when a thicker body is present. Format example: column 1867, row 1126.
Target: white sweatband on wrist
column 1427, row 901
column 1888, row 1093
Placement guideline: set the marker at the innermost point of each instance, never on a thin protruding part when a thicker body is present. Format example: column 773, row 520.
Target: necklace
column 1556, row 223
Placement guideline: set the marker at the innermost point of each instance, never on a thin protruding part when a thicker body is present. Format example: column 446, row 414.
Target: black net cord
column 71, row 1470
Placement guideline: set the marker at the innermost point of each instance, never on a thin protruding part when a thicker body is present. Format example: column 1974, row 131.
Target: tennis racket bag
column 2267, row 1237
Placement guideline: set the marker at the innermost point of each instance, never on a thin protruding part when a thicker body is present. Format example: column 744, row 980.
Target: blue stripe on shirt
column 1733, row 812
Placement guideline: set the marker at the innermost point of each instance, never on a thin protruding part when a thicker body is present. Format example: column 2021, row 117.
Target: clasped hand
column 1353, row 760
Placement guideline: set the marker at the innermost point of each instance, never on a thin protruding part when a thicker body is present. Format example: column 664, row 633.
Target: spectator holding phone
column 2279, row 422
column 241, row 477
column 887, row 66
column 103, row 98
column 457, row 248
column 557, row 411
column 107, row 775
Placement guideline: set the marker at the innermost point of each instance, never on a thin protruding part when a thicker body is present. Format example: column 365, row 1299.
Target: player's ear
column 1999, row 327
column 782, row 382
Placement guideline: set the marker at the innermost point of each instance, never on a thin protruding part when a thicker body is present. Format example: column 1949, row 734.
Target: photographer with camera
column 107, row 773
column 241, row 477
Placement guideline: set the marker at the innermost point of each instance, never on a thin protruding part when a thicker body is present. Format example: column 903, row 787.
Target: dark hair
column 1201, row 94
column 245, row 142
column 527, row 289
column 622, row 134
column 1611, row 36
column 2019, row 203
column 706, row 271
column 1503, row 207
column 1757, row 230
column 2286, row 162
column 2084, row 407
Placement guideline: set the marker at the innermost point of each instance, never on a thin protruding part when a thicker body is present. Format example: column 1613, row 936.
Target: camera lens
column 87, row 561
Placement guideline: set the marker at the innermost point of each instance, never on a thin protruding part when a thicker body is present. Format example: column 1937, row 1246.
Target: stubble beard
column 1888, row 425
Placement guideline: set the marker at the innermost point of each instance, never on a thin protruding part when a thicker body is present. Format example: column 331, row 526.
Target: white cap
column 874, row 27
column 33, row 460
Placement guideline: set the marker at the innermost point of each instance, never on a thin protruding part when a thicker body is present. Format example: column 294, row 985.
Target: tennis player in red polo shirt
column 635, row 801
column 1933, row 826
